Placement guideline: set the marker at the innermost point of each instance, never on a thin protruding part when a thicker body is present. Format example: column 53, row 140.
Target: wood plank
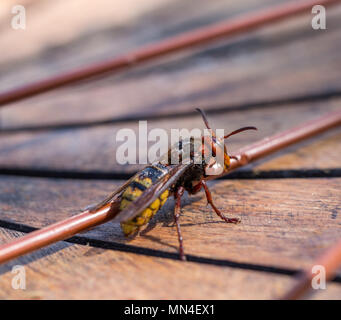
column 321, row 152
column 258, row 67
column 46, row 47
column 94, row 149
column 80, row 272
column 285, row 223
column 85, row 272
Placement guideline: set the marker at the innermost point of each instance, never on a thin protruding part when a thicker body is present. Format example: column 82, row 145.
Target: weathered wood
column 278, row 228
column 64, row 271
column 47, row 47
column 94, row 149
column 321, row 152
column 258, row 67
column 285, row 223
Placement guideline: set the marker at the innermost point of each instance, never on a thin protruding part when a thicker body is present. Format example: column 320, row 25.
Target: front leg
column 217, row 211
column 177, row 210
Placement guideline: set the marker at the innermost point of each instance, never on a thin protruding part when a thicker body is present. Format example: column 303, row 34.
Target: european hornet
column 142, row 196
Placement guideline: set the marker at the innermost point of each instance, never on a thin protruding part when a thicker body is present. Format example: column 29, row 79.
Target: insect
column 142, row 196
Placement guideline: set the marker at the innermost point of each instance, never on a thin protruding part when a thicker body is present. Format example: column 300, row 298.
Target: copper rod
column 53, row 233
column 330, row 260
column 285, row 138
column 83, row 221
column 182, row 41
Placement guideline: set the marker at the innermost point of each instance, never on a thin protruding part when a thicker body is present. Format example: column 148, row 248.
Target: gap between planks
column 103, row 175
column 293, row 101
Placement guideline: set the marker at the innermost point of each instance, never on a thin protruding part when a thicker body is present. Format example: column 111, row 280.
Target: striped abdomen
column 147, row 177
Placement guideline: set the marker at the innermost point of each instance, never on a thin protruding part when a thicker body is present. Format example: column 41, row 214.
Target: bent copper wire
column 85, row 220
column 199, row 36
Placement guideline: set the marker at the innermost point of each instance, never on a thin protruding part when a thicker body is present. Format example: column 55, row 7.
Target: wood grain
column 285, row 223
column 258, row 67
column 48, row 47
column 94, row 149
column 318, row 153
column 64, row 271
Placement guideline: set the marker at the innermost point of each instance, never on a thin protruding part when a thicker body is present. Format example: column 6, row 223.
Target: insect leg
column 217, row 211
column 195, row 189
column 177, row 195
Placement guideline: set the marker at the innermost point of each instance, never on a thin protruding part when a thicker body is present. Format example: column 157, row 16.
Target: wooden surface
column 102, row 274
column 273, row 78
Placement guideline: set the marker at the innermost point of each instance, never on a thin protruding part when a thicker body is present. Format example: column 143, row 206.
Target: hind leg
column 177, row 195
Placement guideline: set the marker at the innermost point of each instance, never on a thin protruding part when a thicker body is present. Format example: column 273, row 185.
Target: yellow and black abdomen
column 146, row 178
